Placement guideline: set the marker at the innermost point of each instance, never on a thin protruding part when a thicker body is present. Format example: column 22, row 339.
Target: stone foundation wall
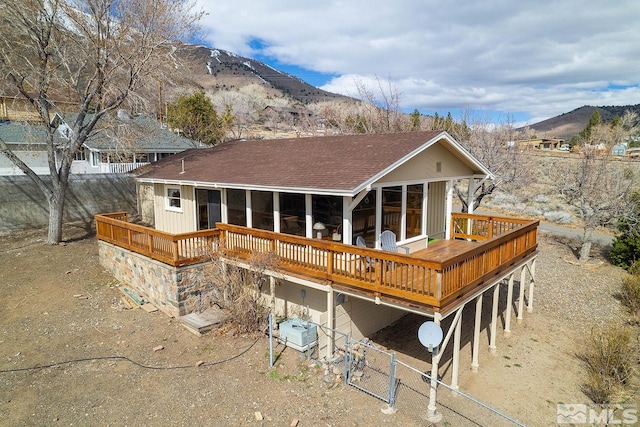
column 174, row 290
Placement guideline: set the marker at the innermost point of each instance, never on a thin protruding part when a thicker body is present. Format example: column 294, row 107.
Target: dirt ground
column 72, row 354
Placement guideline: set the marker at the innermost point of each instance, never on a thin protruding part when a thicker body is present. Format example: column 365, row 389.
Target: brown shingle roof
column 335, row 163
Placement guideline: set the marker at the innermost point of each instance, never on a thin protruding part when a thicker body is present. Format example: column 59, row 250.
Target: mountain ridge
column 571, row 123
column 216, row 71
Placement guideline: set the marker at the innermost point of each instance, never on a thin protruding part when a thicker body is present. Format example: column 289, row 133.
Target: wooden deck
column 433, row 278
column 443, row 250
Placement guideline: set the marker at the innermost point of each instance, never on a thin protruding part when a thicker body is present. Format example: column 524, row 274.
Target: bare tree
column 596, row 187
column 495, row 146
column 237, row 289
column 246, row 109
column 96, row 54
column 380, row 110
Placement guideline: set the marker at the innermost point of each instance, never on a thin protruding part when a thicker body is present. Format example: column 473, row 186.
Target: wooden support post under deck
column 476, row 335
column 456, row 354
column 532, row 271
column 523, row 277
column 508, row 309
column 433, row 384
column 494, row 318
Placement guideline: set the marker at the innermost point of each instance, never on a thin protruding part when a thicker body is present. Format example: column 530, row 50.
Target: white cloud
column 543, row 58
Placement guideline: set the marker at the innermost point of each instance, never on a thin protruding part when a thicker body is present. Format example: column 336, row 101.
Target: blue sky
column 521, row 61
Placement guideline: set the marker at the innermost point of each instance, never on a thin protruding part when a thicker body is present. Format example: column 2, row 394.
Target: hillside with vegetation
column 570, row 124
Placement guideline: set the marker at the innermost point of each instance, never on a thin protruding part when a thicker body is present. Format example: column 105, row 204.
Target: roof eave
column 278, row 189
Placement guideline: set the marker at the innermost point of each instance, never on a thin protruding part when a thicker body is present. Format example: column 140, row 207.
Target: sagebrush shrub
column 610, row 360
column 630, row 292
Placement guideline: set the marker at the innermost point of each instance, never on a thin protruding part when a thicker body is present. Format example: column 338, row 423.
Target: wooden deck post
column 532, row 271
column 174, row 250
column 508, row 309
column 433, row 384
column 455, row 367
column 476, row 335
column 494, row 317
column 523, row 278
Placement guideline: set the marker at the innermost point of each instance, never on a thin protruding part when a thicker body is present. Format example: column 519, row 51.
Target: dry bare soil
column 72, row 354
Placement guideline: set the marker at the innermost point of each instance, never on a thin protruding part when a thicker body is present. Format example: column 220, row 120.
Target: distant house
column 287, row 114
column 123, row 148
column 545, row 144
column 14, row 107
column 619, row 150
column 634, row 152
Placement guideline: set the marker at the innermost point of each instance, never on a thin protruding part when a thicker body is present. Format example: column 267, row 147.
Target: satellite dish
column 430, row 335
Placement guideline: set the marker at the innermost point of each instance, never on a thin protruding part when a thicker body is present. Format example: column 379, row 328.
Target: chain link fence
column 456, row 407
column 378, row 373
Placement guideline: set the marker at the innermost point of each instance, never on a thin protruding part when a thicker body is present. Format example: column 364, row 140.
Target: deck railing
column 172, row 249
column 482, row 227
column 502, row 243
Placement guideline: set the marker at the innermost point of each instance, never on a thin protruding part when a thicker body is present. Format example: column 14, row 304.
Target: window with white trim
column 174, row 202
column 81, row 154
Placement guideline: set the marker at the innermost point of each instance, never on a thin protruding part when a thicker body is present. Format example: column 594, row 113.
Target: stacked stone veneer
column 174, row 290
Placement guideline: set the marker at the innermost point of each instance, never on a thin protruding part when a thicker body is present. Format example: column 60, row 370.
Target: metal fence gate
column 371, row 370
column 379, row 373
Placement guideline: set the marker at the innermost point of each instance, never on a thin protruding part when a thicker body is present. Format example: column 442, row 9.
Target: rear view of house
column 309, row 201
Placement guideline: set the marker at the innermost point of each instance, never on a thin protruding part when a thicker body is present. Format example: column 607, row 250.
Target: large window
column 415, row 195
column 392, row 209
column 209, row 208
column 364, row 219
column 392, row 213
column 292, row 214
column 81, row 154
column 237, row 207
column 262, row 210
column 327, row 210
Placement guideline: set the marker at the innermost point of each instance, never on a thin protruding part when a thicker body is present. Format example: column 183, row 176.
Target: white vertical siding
column 436, row 209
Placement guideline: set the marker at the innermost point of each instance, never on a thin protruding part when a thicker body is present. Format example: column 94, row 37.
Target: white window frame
column 95, row 159
column 170, row 197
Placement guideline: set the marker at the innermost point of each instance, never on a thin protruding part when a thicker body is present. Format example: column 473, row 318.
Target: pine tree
column 195, row 117
column 415, row 120
column 594, row 120
column 625, row 250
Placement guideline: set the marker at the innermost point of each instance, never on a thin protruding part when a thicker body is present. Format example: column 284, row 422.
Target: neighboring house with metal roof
column 123, row 147
column 26, row 140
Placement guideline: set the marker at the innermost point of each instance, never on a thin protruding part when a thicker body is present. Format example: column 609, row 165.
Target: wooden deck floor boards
column 444, row 249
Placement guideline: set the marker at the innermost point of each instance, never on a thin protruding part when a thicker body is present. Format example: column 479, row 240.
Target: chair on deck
column 388, row 242
column 367, row 260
